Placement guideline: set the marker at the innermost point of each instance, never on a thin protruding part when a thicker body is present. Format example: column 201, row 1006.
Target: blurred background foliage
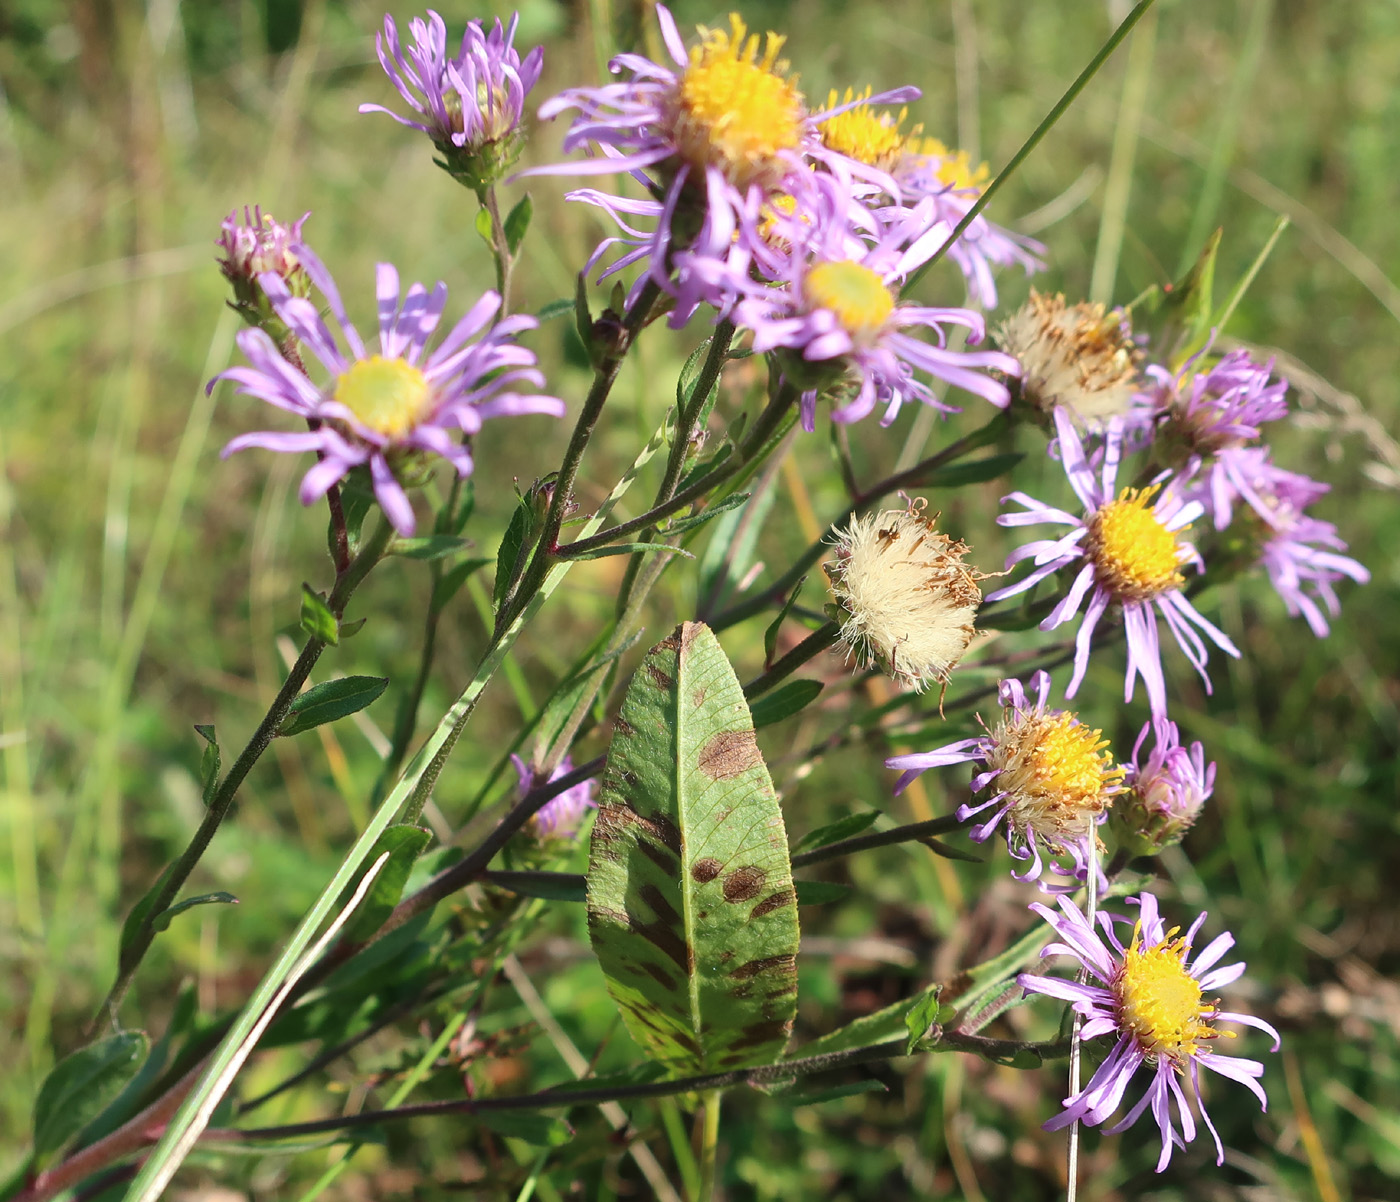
column 145, row 585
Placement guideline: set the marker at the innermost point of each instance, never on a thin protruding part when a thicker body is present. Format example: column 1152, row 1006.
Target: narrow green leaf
column 511, row 550
column 551, row 886
column 691, row 905
column 583, row 318
column 555, row 308
column 922, row 1018
column 820, row 893
column 135, row 920
column 729, row 553
column 330, row 700
column 483, row 228
column 452, row 580
column 785, row 701
column 518, row 222
column 629, row 549
column 843, row 828
column 404, row 844
column 975, row 472
column 770, row 636
column 316, row 617
column 815, row 1096
column 432, row 546
column 1187, row 308
column 349, row 630
column 209, row 762
column 162, row 920
column 888, row 1023
column 949, row 852
column 81, row 1085
column 542, row 1130
column 679, row 526
column 356, row 500
column 687, row 380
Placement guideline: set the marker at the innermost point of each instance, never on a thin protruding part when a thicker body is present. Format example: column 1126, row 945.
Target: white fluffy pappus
column 909, row 600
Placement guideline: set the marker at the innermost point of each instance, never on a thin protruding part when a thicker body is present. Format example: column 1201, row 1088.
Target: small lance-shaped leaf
column 135, row 921
column 162, row 920
column 332, row 699
column 843, row 828
column 770, row 636
column 691, row 905
column 922, row 1020
column 783, row 702
column 631, row 549
column 81, row 1085
column 404, row 843
column 209, row 763
column 316, row 617
column 518, row 221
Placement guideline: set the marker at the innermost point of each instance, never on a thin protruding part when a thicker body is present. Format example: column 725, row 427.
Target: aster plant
column 652, row 783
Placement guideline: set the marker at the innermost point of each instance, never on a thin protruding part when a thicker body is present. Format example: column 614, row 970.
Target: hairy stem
column 913, row 832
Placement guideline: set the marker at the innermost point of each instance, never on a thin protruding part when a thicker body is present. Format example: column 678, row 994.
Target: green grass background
column 145, row 585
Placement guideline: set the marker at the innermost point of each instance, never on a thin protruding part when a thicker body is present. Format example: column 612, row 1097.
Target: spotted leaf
column 691, row 905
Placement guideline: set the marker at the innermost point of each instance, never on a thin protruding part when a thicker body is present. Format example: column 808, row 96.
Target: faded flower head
column 388, row 410
column 470, row 104
column 561, row 816
column 256, row 245
column 1149, row 996
column 1078, row 357
column 1050, row 777
column 909, row 600
column 1164, row 793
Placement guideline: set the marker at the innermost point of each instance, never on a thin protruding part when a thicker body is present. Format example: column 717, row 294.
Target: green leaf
column 920, row 1021
column 452, row 580
column 518, row 222
column 350, row 629
column 691, row 906
column 81, row 1085
column 583, row 319
column 820, row 893
column 680, row 525
column 551, row 886
column 785, row 701
column 1187, row 308
column 555, row 308
column 629, row 549
column 356, row 500
column 432, row 546
column 976, row 472
column 730, row 550
column 542, row 1130
column 770, row 636
column 332, row 699
column 511, row 550
column 843, row 828
column 131, row 928
column 687, row 380
column 162, row 920
column 815, row 1095
column 404, row 843
column 316, row 617
column 483, row 229
column 209, row 762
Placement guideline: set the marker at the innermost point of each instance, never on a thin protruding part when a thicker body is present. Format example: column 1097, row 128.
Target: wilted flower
column 909, row 599
column 1076, row 357
column 561, row 816
column 1164, row 793
column 471, row 104
column 1047, row 774
column 1130, row 556
column 1149, row 998
column 255, row 245
column 386, row 410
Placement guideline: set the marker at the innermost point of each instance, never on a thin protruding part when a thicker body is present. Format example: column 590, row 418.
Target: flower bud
column 257, row 245
column 1164, row 793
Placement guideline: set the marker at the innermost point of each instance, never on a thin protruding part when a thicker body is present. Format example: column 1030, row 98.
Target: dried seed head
column 909, row 600
column 1080, row 356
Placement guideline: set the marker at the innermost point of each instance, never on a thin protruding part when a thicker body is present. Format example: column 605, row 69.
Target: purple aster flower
column 1042, row 770
column 1128, row 554
column 1300, row 553
column 470, row 105
column 252, row 246
column 1164, row 793
column 710, row 138
column 383, row 410
column 1205, row 419
column 561, row 816
column 1149, row 998
column 832, row 312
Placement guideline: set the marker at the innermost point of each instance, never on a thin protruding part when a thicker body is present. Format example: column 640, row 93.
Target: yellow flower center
column 736, row 109
column 862, row 134
column 854, row 293
column 954, row 167
column 1160, row 1002
column 1058, row 772
column 1134, row 554
column 389, row 396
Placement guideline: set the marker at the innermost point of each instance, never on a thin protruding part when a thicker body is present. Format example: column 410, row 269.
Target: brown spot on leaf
column 627, row 777
column 659, row 856
column 672, row 642
column 729, row 753
column 623, row 727
column 667, row 831
column 662, row 680
column 744, row 884
column 660, row 904
column 661, row 976
column 767, row 1031
column 697, row 697
column 774, row 901
column 706, row 870
column 786, row 963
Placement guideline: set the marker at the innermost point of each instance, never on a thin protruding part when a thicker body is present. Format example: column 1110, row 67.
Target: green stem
column 808, row 649
column 222, row 802
column 500, row 247
column 913, row 832
column 709, row 1143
